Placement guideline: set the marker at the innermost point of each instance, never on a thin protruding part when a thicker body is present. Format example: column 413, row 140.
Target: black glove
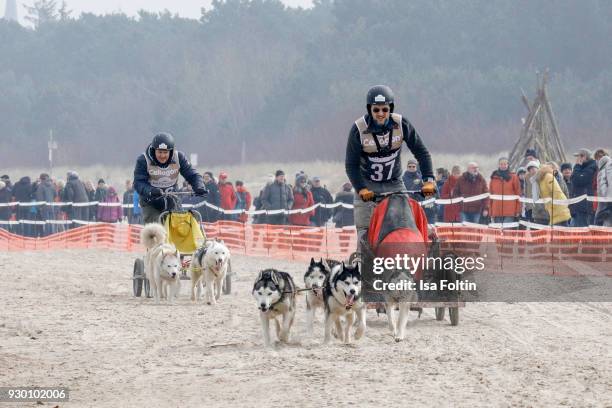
column 200, row 191
column 155, row 192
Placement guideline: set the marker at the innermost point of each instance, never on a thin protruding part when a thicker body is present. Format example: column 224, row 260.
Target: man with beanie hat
column 277, row 196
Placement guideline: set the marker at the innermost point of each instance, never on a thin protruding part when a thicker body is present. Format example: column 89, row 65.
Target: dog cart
column 184, row 230
column 397, row 221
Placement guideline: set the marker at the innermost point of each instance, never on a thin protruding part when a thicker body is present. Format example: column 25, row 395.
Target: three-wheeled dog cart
column 398, row 222
column 184, row 230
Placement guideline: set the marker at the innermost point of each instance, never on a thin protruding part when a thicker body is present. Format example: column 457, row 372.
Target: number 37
column 378, row 169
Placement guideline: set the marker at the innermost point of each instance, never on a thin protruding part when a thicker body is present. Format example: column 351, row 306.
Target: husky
column 315, row 279
column 275, row 294
column 399, row 299
column 342, row 298
column 209, row 264
column 161, row 263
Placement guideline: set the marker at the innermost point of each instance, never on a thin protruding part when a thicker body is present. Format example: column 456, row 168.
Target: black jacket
column 141, row 175
column 344, row 217
column 582, row 183
column 323, row 196
column 75, row 191
column 356, row 157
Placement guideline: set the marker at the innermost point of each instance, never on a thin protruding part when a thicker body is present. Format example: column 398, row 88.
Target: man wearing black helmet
column 157, row 171
column 373, row 154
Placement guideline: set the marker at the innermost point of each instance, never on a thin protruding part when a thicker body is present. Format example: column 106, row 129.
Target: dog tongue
column 350, row 300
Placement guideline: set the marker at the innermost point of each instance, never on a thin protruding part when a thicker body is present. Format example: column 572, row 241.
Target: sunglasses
column 384, row 110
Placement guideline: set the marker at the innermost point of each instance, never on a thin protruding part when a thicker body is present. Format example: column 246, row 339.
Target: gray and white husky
column 275, row 294
column 342, row 298
column 209, row 265
column 315, row 279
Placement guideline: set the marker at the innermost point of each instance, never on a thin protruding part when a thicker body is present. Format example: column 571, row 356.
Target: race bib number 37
column 382, row 171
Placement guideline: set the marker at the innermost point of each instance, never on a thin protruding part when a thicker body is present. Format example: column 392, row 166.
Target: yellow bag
column 184, row 232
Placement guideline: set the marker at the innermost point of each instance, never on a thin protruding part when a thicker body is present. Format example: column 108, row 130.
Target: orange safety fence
column 300, row 243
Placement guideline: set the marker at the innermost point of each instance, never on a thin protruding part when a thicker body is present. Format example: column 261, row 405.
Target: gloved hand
column 156, row 192
column 366, row 195
column 428, row 189
column 200, row 191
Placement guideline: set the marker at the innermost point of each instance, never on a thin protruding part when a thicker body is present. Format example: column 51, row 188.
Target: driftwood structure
column 540, row 131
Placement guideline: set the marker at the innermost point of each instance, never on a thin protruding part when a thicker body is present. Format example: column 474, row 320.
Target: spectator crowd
column 590, row 175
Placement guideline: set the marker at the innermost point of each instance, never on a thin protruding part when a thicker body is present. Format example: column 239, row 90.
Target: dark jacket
column 75, row 191
column 45, row 191
column 323, row 196
column 141, row 175
column 582, row 183
column 128, row 198
column 469, row 186
column 356, row 158
column 5, row 197
column 213, row 197
column 23, row 192
column 344, row 217
column 277, row 196
column 413, row 180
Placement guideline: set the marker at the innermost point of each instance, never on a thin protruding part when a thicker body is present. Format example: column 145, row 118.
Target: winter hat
column 533, row 163
column 412, row 161
column 4, row 177
column 565, row 166
column 279, row 173
column 531, row 152
column 521, row 170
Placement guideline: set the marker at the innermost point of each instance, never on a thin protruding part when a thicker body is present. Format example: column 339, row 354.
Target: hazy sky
column 185, row 8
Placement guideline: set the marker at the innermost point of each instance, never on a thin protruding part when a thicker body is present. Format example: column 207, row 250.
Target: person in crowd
column 213, row 197
column 521, row 172
column 583, row 179
column 535, row 212
column 58, row 213
column 452, row 212
column 91, row 196
column 321, row 195
column 45, row 192
column 302, row 198
column 23, row 193
column 101, row 190
column 258, row 203
column 227, row 194
column 110, row 213
column 243, row 200
column 128, row 199
column 603, row 216
column 277, row 196
column 7, row 181
column 5, row 210
column 470, row 184
column 344, row 217
column 75, row 193
column 566, row 172
column 441, row 177
column 558, row 214
column 504, row 183
column 559, row 177
column 413, row 181
column 531, row 156
column 137, row 210
column 157, row 171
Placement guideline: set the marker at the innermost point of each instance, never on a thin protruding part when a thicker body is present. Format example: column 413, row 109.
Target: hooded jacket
column 108, row 213
column 549, row 188
column 302, row 198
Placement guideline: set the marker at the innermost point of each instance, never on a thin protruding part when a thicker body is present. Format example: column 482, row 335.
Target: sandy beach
column 70, row 319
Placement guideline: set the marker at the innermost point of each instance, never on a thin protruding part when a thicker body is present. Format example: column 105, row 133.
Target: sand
column 69, row 319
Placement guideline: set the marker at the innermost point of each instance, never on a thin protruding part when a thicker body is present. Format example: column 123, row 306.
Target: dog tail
column 152, row 234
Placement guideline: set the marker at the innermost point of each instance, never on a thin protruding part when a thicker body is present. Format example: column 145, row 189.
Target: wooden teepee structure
column 540, row 131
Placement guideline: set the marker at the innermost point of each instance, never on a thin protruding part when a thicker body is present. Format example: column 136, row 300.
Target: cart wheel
column 440, row 313
column 227, row 282
column 453, row 313
column 147, row 287
column 138, row 277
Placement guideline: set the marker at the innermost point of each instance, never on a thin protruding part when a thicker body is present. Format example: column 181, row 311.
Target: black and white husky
column 275, row 294
column 315, row 278
column 400, row 299
column 342, row 297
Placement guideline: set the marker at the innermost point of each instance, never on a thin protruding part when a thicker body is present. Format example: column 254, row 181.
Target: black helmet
column 380, row 94
column 163, row 141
